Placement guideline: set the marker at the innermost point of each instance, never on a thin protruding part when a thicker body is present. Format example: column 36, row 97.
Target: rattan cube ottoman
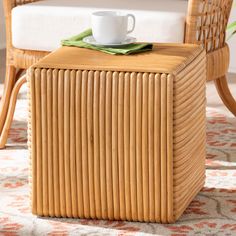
column 117, row 137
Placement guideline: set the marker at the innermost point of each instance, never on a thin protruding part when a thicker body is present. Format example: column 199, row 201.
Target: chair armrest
column 206, row 23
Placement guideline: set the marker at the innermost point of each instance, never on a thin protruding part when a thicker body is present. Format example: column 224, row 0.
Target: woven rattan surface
column 206, row 24
column 112, row 143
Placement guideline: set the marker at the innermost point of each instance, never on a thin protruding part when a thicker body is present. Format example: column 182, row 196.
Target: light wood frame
column 206, row 24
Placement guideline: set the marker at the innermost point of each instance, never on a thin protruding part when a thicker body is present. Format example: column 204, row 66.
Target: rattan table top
column 164, row 58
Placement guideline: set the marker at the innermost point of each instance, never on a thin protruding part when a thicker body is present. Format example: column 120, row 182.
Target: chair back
column 206, row 25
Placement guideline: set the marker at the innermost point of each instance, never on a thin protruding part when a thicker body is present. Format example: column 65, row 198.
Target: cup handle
column 134, row 21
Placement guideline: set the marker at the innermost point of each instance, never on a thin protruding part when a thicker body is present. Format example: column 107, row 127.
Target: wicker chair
column 205, row 25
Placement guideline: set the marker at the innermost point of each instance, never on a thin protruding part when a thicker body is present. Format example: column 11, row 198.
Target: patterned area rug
column 212, row 212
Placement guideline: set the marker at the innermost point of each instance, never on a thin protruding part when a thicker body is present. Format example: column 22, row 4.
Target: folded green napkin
column 77, row 41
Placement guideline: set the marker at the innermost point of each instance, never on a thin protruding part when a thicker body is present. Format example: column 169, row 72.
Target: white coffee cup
column 110, row 27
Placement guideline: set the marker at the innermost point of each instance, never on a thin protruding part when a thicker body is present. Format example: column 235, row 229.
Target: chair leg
column 225, row 94
column 10, row 113
column 19, row 74
column 8, row 86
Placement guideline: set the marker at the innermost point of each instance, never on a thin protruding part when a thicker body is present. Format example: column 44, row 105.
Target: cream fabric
column 42, row 25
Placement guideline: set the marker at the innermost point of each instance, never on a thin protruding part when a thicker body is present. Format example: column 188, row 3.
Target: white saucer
column 92, row 41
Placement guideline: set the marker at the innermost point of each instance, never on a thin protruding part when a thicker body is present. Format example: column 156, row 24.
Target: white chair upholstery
column 42, row 25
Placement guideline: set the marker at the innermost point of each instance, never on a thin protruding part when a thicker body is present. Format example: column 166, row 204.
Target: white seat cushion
column 42, row 25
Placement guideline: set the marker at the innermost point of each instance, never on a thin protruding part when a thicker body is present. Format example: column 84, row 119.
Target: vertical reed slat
column 139, row 173
column 44, row 140
column 90, row 137
column 67, row 142
column 108, row 137
column 61, row 142
column 115, row 169
column 163, row 148
column 96, row 112
column 151, row 146
column 157, row 147
column 56, row 178
column 170, row 147
column 127, row 144
column 145, row 172
column 78, row 135
column 85, row 143
column 33, row 141
column 38, row 142
column 102, row 127
column 121, row 145
column 50, row 146
column 133, row 180
column 73, row 180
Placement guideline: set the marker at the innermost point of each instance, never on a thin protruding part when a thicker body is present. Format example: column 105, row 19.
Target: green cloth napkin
column 77, row 41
